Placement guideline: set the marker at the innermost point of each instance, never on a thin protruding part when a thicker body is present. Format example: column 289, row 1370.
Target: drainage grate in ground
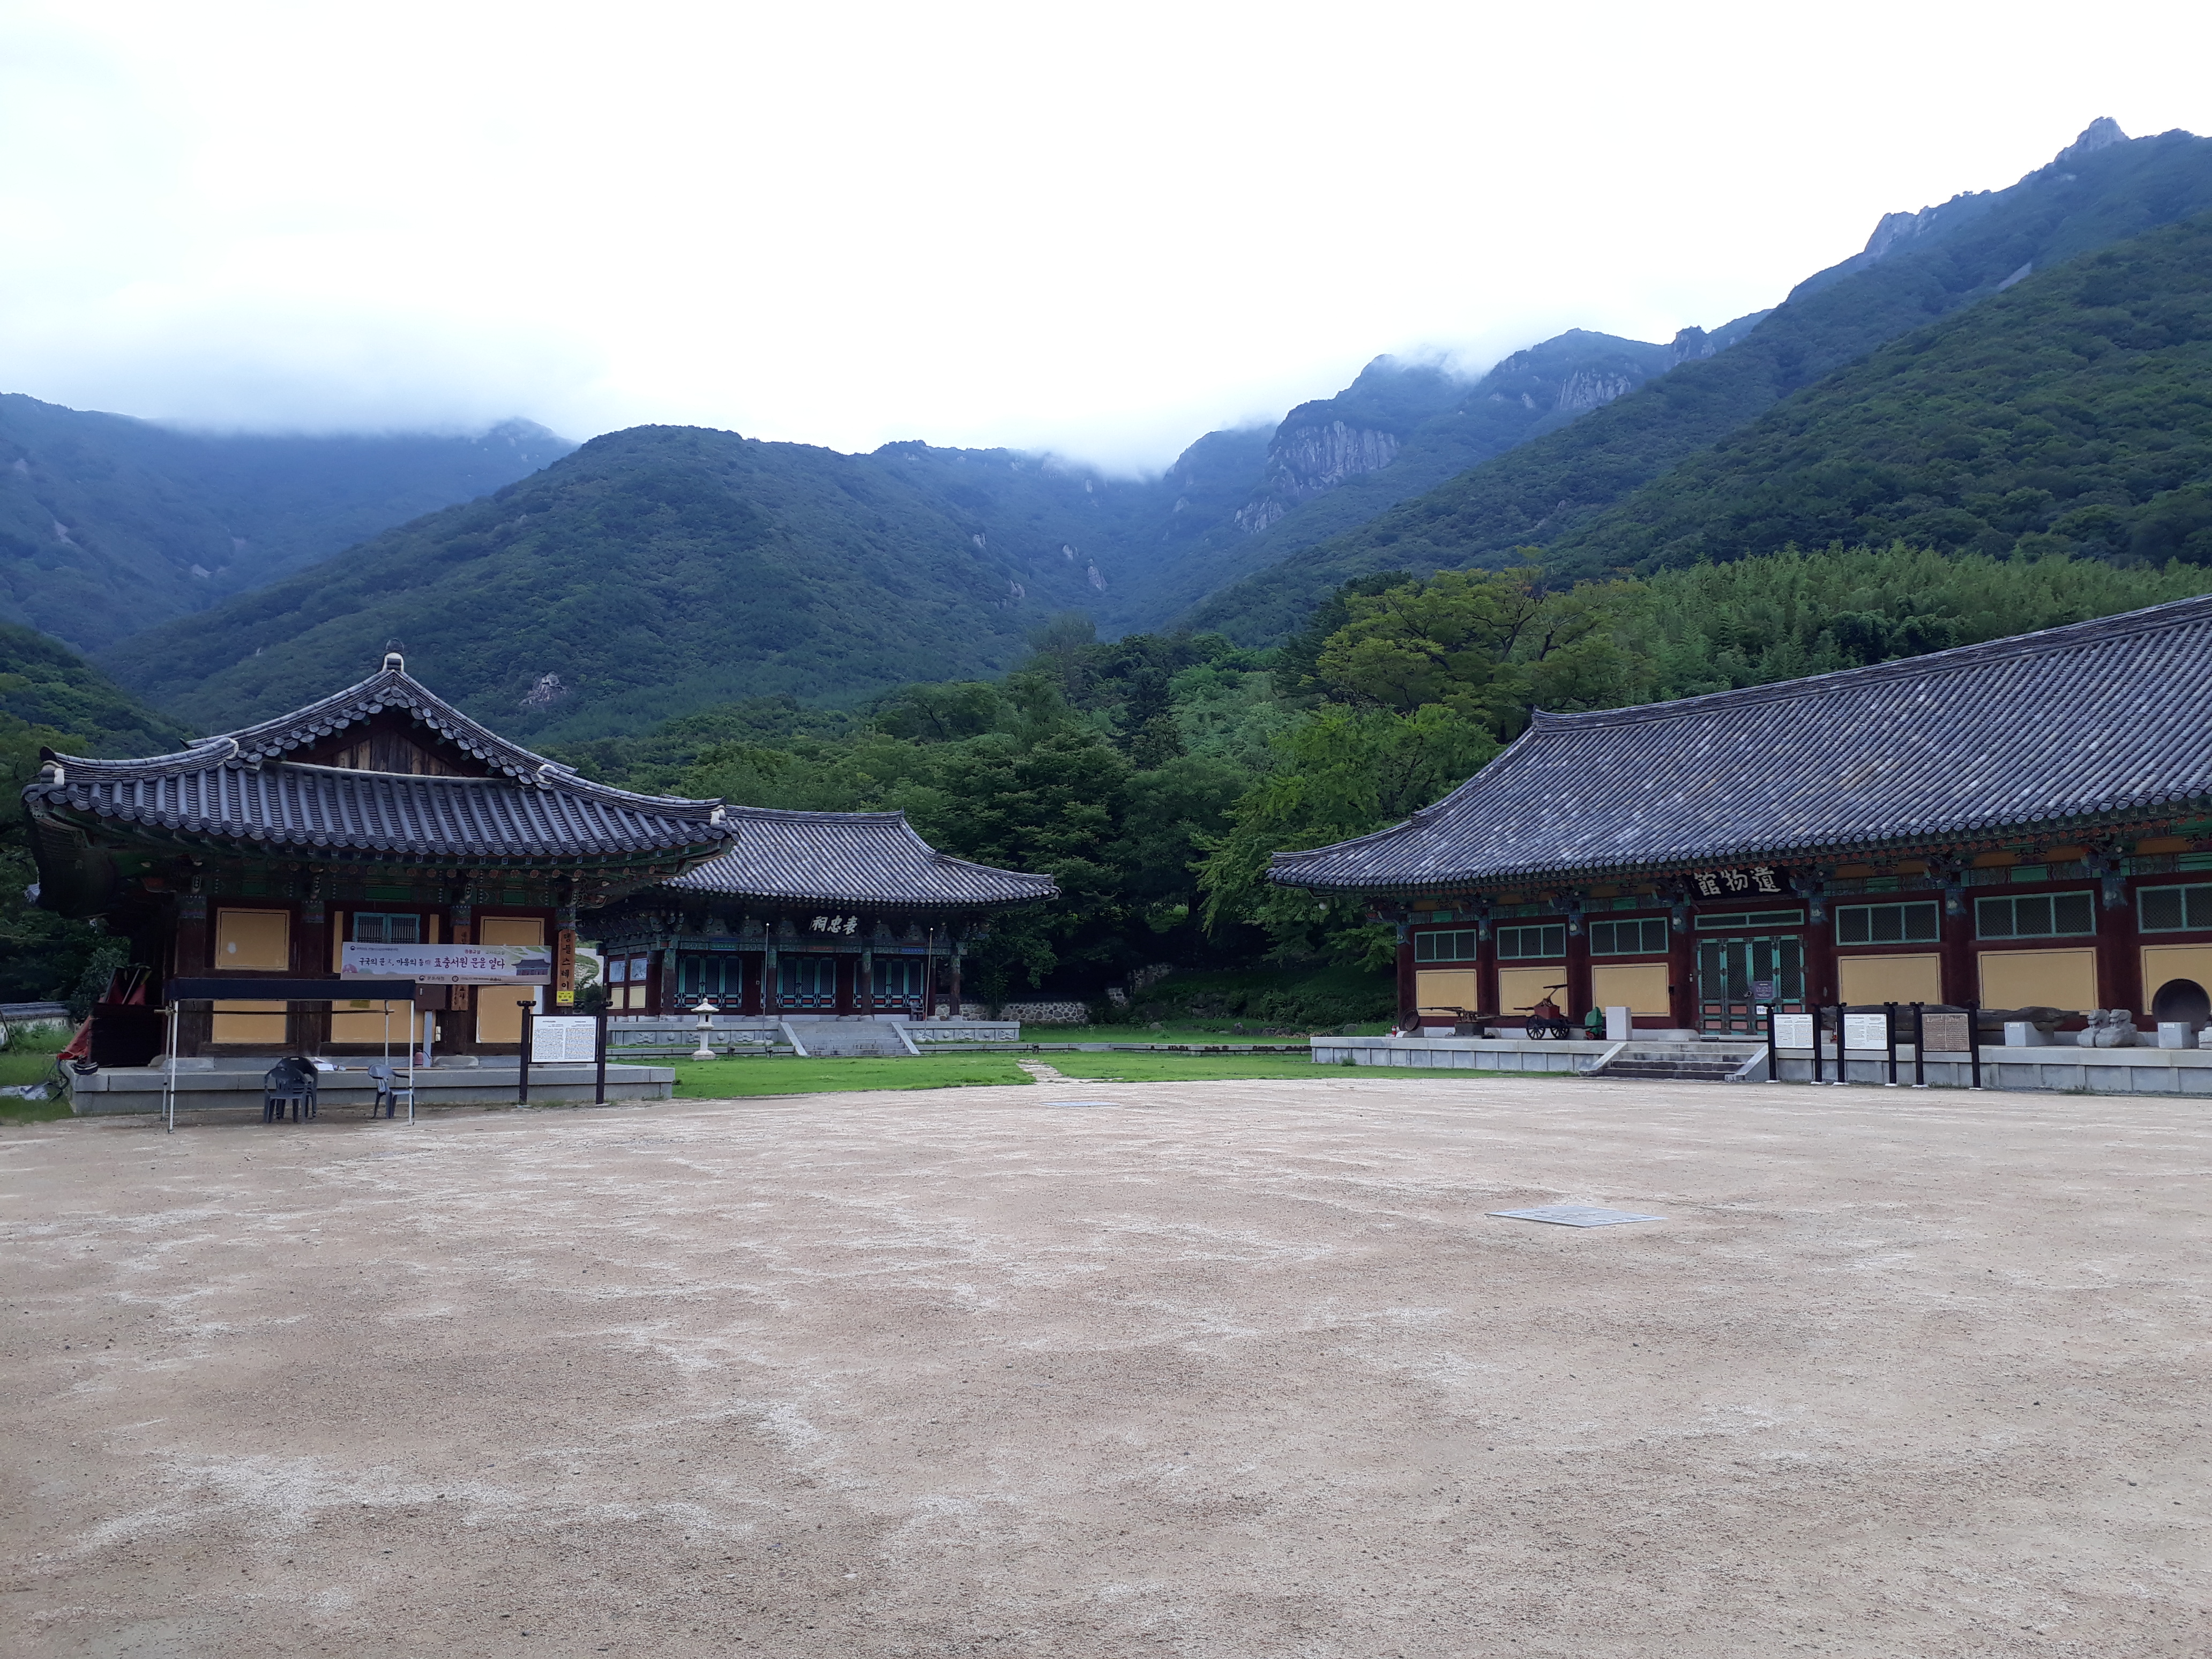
column 1576, row 1215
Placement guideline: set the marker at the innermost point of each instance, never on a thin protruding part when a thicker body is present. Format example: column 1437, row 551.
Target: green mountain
column 48, row 687
column 658, row 570
column 50, row 697
column 2072, row 413
column 1400, row 430
column 109, row 524
column 1916, row 268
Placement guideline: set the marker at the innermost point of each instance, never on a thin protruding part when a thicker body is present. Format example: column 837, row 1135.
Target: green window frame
column 1544, row 943
column 1755, row 920
column 1444, row 947
column 1919, row 922
column 1643, row 938
column 2036, row 915
column 386, row 927
column 2175, row 909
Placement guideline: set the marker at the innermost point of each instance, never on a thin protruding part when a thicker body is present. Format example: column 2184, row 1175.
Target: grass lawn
column 29, row 1058
column 787, row 1074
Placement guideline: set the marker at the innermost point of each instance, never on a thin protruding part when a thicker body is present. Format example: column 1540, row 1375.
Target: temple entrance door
column 1734, row 973
column 721, row 977
column 899, row 984
column 807, row 982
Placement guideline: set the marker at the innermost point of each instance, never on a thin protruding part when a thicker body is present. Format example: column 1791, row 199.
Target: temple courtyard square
column 1223, row 1369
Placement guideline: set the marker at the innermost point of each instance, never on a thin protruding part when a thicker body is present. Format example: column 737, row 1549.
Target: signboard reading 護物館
column 449, row 965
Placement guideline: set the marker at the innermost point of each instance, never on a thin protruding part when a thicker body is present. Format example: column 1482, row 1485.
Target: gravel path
column 1222, row 1369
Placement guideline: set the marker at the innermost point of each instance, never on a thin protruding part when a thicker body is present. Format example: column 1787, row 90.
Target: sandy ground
column 1219, row 1370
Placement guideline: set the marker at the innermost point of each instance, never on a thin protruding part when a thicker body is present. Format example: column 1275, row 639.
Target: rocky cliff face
column 1304, row 462
column 1588, row 388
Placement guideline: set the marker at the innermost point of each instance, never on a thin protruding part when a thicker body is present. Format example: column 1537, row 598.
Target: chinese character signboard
column 835, row 924
column 1753, row 881
column 564, row 967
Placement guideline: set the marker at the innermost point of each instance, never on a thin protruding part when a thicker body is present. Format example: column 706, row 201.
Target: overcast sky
column 1097, row 228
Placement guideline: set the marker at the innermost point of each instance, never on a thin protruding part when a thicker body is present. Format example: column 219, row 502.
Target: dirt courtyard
column 1219, row 1370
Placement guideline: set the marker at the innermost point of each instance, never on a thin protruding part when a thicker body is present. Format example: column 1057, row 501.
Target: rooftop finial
column 393, row 662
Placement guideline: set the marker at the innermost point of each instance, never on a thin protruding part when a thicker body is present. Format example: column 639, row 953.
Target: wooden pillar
column 1579, row 967
column 1682, row 969
column 460, row 999
column 1408, row 995
column 310, row 959
column 1955, row 951
column 2119, row 961
column 1820, row 953
column 865, row 990
column 768, row 980
column 955, row 1010
column 191, row 958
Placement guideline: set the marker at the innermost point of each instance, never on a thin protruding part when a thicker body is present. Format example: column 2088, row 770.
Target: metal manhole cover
column 1575, row 1215
column 1083, row 1102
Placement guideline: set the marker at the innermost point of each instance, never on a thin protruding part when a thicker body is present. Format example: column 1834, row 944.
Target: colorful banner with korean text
column 449, row 965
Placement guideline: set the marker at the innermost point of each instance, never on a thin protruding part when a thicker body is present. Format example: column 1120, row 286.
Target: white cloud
column 1099, row 228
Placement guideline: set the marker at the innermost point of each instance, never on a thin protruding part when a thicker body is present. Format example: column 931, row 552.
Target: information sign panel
column 1866, row 1031
column 557, row 1038
column 1793, row 1030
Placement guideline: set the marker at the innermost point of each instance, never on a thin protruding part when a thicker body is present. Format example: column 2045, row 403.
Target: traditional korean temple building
column 383, row 816
column 818, row 913
column 2026, row 822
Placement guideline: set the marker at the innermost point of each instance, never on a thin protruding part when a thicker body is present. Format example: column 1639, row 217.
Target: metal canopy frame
column 178, row 991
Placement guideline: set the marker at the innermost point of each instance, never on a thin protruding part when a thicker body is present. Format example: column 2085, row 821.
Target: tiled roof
column 239, row 787
column 850, row 858
column 2100, row 721
column 326, row 808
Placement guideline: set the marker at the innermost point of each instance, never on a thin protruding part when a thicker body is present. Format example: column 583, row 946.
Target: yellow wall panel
column 363, row 1022
column 1915, row 978
column 499, row 1017
column 1640, row 988
column 1444, row 987
column 2039, row 979
column 260, row 939
column 2162, row 963
column 1520, row 988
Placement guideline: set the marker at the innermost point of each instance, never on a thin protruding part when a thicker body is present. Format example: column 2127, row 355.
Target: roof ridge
column 2059, row 637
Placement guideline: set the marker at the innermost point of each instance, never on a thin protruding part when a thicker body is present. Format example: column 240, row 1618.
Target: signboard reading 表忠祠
column 449, row 965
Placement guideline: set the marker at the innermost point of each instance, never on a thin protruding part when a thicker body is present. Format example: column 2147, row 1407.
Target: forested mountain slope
column 1398, row 430
column 2072, row 413
column 1916, row 268
column 653, row 571
column 50, row 697
column 109, row 524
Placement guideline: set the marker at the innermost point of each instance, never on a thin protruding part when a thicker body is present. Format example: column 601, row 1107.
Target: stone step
column 1685, row 1071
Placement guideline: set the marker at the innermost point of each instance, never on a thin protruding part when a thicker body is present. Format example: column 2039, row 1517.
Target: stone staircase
column 1681, row 1062
column 850, row 1038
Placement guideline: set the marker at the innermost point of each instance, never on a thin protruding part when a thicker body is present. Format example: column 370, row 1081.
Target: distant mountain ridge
column 2100, row 190
column 109, row 524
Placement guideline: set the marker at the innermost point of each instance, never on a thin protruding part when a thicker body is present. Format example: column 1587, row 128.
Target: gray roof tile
column 850, row 858
column 2101, row 720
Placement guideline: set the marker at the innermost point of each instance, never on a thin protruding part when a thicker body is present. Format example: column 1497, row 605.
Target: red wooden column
column 1681, row 968
column 191, row 958
column 1485, row 968
column 310, row 959
column 1407, row 993
column 1578, row 966
column 1955, row 951
column 2119, row 961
